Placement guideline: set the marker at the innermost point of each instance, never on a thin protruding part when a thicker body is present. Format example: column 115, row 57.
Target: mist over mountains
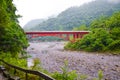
column 75, row 16
column 114, row 1
column 33, row 23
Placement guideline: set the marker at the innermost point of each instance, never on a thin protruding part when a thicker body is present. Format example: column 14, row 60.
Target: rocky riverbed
column 52, row 56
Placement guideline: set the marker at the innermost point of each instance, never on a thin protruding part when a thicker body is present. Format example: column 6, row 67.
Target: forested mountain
column 33, row 23
column 104, row 36
column 76, row 16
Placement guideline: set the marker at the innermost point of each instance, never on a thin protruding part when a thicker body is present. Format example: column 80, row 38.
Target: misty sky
column 37, row 9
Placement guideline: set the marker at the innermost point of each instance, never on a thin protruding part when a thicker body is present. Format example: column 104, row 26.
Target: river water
column 52, row 56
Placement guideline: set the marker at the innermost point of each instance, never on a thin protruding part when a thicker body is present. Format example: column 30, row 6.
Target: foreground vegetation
column 13, row 40
column 12, row 36
column 104, row 36
column 64, row 75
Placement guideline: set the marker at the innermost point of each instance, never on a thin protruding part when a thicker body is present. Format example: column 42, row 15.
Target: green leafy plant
column 100, row 75
column 66, row 74
column 81, row 77
column 104, row 36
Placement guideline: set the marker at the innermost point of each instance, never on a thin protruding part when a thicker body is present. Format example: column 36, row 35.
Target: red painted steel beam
column 59, row 32
column 76, row 34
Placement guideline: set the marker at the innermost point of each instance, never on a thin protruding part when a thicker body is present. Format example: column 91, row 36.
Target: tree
column 104, row 36
column 82, row 27
column 12, row 38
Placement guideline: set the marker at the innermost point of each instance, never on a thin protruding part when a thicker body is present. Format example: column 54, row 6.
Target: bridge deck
column 62, row 34
column 56, row 32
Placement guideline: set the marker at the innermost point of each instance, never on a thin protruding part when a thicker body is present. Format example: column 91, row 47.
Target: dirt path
column 53, row 55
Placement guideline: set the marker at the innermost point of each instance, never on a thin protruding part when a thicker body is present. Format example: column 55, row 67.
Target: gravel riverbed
column 52, row 56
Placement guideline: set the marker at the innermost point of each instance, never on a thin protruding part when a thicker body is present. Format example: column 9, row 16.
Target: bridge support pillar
column 61, row 35
column 33, row 36
column 74, row 37
column 77, row 36
column 67, row 37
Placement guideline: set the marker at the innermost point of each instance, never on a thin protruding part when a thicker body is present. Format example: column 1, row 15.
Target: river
column 52, row 56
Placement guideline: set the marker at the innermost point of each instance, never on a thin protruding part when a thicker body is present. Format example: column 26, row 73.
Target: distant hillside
column 76, row 16
column 33, row 23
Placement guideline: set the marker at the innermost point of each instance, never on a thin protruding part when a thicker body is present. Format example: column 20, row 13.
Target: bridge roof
column 56, row 32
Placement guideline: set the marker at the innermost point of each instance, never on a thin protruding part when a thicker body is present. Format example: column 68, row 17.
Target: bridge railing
column 40, row 74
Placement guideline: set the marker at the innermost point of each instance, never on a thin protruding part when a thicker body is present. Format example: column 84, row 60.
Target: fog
column 37, row 9
column 114, row 1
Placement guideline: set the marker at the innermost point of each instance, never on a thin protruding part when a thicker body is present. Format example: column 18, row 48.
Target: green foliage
column 114, row 46
column 65, row 75
column 76, row 16
column 82, row 27
column 99, row 23
column 104, row 36
column 97, row 40
column 115, row 33
column 38, row 67
column 68, row 76
column 94, row 41
column 100, row 75
column 81, row 77
column 13, row 59
column 36, row 63
column 72, row 45
column 114, row 21
column 12, row 36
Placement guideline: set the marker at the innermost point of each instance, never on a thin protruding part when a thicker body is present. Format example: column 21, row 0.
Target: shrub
column 65, row 75
column 114, row 46
column 97, row 40
column 100, row 75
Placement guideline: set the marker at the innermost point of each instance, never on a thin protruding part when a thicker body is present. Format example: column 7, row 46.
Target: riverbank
column 52, row 56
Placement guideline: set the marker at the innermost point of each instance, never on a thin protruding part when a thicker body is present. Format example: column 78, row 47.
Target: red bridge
column 61, row 34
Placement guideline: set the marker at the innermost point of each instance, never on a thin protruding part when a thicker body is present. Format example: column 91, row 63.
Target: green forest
column 12, row 36
column 13, row 41
column 104, row 36
column 74, row 17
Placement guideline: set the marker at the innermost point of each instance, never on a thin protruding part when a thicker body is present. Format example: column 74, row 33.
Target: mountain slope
column 76, row 16
column 33, row 23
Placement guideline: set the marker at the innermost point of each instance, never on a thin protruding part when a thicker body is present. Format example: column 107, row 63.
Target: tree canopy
column 104, row 36
column 12, row 36
column 74, row 17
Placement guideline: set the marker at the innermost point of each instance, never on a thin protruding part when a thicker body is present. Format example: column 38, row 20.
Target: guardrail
column 40, row 74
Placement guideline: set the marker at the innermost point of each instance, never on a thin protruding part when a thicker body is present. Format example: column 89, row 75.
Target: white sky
column 37, row 9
